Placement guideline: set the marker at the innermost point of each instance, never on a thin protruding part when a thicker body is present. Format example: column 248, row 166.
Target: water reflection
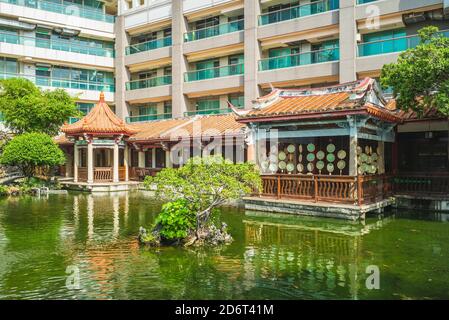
column 273, row 256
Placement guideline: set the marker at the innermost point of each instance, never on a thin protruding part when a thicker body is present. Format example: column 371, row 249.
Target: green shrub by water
column 176, row 220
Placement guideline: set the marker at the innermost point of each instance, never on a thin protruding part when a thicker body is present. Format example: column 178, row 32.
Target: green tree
column 29, row 151
column 27, row 108
column 204, row 184
column 420, row 77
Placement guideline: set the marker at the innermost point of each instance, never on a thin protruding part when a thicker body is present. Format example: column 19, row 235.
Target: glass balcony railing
column 62, row 83
column 209, row 111
column 149, row 45
column 72, row 120
column 149, row 117
column 61, row 45
column 148, row 83
column 218, row 72
column 300, row 59
column 391, row 45
column 365, row 1
column 298, row 11
column 67, row 8
column 214, row 30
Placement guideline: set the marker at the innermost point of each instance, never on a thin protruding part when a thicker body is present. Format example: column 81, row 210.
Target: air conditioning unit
column 414, row 17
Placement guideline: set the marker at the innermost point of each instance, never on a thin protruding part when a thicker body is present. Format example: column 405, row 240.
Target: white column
column 115, row 177
column 75, row 162
column 252, row 51
column 153, row 158
column 179, row 61
column 348, row 43
column 251, row 146
column 141, row 159
column 126, row 162
column 168, row 163
column 90, row 162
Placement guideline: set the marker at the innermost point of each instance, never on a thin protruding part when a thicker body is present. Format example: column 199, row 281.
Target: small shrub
column 176, row 220
column 3, row 190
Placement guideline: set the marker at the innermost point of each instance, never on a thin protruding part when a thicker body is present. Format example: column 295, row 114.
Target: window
column 237, row 100
column 149, row 109
column 84, row 108
column 384, row 42
column 8, row 66
column 208, row 106
column 160, row 158
column 423, row 152
column 206, row 23
column 167, row 107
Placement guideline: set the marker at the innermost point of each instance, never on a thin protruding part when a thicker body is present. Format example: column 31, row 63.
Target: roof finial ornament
column 102, row 96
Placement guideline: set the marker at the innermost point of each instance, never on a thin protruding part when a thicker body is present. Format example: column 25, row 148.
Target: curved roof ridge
column 100, row 120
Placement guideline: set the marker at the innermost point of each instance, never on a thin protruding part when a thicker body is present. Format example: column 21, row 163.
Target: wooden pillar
column 353, row 141
column 75, row 162
column 381, row 160
column 115, row 175
column 90, row 162
column 126, row 162
column 395, row 153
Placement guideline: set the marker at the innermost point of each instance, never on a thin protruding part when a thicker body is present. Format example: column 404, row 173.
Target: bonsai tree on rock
column 193, row 193
column 30, row 151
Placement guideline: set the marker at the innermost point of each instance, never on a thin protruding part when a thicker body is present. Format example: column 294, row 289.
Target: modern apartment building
column 158, row 59
column 176, row 58
column 60, row 44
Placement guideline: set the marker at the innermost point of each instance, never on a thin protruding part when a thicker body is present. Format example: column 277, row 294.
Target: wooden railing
column 103, row 174
column 82, row 174
column 341, row 189
column 374, row 188
column 421, row 184
column 122, row 173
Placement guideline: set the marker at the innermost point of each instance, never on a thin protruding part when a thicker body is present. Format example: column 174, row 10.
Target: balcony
column 148, row 83
column 67, row 9
column 62, row 83
column 299, row 59
column 214, row 31
column 364, row 1
column 61, row 45
column 208, row 111
column 149, row 45
column 149, row 117
column 72, row 120
column 391, row 45
column 218, row 72
column 298, row 11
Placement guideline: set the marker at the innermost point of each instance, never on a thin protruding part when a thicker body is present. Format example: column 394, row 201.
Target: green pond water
column 273, row 256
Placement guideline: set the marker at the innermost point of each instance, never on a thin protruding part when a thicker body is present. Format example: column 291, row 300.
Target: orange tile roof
column 155, row 130
column 62, row 139
column 210, row 125
column 349, row 97
column 165, row 130
column 100, row 120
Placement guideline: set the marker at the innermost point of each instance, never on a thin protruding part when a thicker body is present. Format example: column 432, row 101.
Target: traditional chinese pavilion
column 99, row 149
column 331, row 145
